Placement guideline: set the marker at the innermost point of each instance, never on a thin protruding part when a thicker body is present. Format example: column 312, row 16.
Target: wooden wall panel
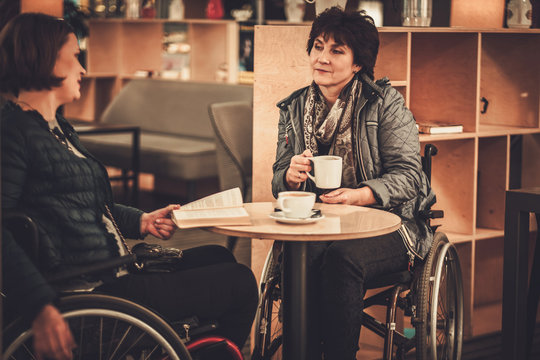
column 50, row 7
column 477, row 13
column 281, row 66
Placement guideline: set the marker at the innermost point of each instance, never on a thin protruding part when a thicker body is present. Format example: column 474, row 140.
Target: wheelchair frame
column 81, row 303
column 422, row 296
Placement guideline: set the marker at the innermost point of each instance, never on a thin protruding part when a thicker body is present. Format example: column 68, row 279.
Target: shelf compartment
column 452, row 178
column 443, row 78
column 392, row 59
column 210, row 50
column 464, row 251
column 530, row 171
column 488, row 274
column 103, row 55
column 509, row 79
column 492, row 181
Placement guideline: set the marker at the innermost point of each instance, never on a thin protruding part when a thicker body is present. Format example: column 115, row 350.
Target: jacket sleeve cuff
column 129, row 221
column 379, row 191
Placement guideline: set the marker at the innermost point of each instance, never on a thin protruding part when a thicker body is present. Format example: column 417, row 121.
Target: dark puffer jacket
column 64, row 194
column 386, row 149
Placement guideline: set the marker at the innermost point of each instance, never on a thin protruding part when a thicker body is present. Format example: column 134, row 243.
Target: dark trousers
column 338, row 272
column 210, row 285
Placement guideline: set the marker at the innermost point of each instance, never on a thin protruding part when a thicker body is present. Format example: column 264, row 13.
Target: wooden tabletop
column 340, row 222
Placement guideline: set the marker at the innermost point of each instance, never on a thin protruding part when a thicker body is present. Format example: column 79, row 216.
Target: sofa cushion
column 182, row 157
column 171, row 107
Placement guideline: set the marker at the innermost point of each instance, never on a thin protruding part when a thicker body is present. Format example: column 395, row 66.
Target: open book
column 223, row 208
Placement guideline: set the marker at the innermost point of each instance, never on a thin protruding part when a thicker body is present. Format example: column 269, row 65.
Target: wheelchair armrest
column 431, row 214
column 91, row 269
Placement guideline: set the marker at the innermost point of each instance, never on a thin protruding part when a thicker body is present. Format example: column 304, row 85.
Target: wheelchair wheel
column 105, row 327
column 439, row 331
column 268, row 319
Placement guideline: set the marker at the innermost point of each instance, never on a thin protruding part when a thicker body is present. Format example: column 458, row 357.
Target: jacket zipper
column 363, row 173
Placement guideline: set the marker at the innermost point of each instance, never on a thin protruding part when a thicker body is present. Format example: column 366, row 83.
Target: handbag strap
column 122, row 238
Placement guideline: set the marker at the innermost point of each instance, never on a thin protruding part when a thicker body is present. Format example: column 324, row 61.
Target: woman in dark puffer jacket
column 49, row 175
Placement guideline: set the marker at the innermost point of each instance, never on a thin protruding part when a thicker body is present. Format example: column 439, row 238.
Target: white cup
column 327, row 170
column 296, row 204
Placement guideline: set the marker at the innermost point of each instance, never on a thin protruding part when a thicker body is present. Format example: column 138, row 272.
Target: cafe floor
column 483, row 347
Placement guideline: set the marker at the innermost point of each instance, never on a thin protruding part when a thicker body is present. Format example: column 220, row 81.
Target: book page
column 225, row 199
column 210, row 214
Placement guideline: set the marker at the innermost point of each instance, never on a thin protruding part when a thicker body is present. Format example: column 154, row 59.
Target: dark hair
column 29, row 46
column 355, row 29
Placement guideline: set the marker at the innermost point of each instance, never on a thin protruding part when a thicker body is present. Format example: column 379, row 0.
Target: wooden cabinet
column 118, row 49
column 444, row 74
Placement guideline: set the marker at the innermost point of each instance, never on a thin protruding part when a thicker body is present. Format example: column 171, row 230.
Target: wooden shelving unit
column 443, row 73
column 118, row 48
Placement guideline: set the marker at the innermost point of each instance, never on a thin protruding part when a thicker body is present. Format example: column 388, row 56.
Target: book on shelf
column 440, row 128
column 223, row 208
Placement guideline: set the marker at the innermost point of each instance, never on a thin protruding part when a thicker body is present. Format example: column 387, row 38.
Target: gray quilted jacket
column 387, row 152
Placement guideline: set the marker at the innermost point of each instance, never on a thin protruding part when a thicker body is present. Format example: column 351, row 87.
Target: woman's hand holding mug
column 298, row 169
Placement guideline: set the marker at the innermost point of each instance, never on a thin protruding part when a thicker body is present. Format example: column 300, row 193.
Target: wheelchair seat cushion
column 402, row 277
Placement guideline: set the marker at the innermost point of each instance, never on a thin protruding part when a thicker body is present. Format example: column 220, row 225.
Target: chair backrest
column 233, row 128
column 171, row 107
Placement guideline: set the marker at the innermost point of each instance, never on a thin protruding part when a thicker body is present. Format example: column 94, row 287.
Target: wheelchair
column 430, row 293
column 109, row 327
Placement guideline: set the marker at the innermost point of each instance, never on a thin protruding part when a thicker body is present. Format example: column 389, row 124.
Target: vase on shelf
column 214, row 9
column 519, row 14
column 176, row 10
column 373, row 8
column 294, row 10
column 133, row 9
column 416, row 13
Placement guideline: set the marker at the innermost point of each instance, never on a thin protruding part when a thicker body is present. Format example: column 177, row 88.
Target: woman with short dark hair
column 50, row 176
column 365, row 122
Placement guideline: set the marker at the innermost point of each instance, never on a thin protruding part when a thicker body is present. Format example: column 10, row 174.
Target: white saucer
column 280, row 217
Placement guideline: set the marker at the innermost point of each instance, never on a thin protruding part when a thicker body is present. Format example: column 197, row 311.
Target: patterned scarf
column 321, row 124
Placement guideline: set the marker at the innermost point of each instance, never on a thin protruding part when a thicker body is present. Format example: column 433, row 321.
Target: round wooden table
column 340, row 222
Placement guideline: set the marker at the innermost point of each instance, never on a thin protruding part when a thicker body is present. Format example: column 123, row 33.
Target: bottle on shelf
column 133, row 8
column 176, row 10
column 148, row 9
column 214, row 9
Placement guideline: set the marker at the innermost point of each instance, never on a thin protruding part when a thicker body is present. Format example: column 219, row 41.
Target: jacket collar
column 64, row 124
column 370, row 89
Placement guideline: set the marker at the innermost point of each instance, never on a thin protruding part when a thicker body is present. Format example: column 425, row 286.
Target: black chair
column 233, row 129
column 434, row 302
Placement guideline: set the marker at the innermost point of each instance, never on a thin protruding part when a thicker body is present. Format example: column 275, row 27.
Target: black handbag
column 156, row 258
column 150, row 257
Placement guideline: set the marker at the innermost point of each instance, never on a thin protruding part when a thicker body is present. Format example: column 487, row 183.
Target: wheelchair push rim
column 105, row 331
column 440, row 331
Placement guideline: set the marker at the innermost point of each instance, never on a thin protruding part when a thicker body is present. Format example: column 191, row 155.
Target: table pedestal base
column 300, row 330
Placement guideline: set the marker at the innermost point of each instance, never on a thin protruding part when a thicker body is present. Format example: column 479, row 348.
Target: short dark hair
column 355, row 29
column 29, row 46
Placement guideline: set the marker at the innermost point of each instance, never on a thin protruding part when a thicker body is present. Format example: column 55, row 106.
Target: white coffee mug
column 296, row 204
column 327, row 170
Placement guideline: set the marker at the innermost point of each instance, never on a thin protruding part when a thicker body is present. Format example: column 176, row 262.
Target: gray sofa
column 177, row 140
